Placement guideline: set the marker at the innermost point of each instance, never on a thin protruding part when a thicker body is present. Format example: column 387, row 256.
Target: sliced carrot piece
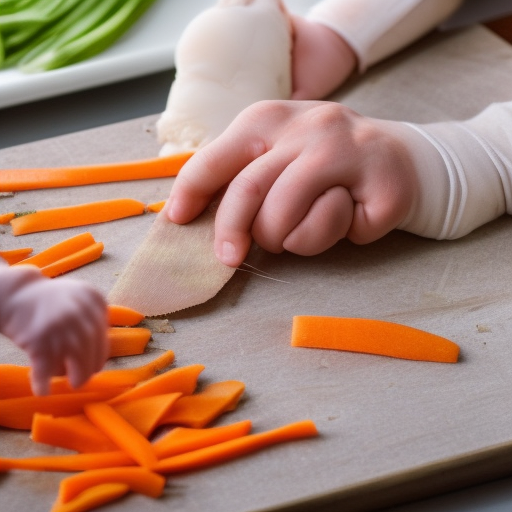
column 13, row 180
column 71, row 432
column 122, row 433
column 178, row 380
column 15, row 379
column 93, row 497
column 183, row 439
column 228, row 450
column 178, row 440
column 73, row 261
column 372, row 337
column 13, row 256
column 18, row 412
column 145, row 414
column 139, row 480
column 60, row 250
column 72, row 462
column 156, row 207
column 128, row 341
column 123, row 316
column 5, row 218
column 77, row 215
column 202, row 408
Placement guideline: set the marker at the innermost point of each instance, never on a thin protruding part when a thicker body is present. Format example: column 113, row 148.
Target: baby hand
column 300, row 176
column 321, row 60
column 61, row 324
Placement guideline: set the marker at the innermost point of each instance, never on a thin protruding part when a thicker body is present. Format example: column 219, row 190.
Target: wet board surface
column 389, row 429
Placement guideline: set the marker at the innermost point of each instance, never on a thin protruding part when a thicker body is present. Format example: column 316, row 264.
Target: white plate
column 147, row 48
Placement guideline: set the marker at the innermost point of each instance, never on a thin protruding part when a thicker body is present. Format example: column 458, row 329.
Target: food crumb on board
column 159, row 325
column 482, row 328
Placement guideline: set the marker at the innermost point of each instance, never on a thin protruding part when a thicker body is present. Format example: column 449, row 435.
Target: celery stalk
column 87, row 15
column 92, row 42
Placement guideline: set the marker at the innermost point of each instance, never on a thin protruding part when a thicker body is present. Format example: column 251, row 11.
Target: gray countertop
column 145, row 96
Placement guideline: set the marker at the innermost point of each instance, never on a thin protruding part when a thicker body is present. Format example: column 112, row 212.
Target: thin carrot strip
column 145, row 414
column 72, row 462
column 139, row 480
column 60, row 250
column 156, row 207
column 12, row 180
column 178, row 440
column 77, row 215
column 123, row 316
column 183, row 439
column 128, row 341
column 229, row 450
column 372, row 337
column 178, row 380
column 122, row 433
column 18, row 412
column 14, row 256
column 5, row 218
column 71, row 432
column 202, row 408
column 15, row 379
column 74, row 261
column 93, row 497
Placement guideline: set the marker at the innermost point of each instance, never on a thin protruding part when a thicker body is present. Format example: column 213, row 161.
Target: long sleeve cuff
column 376, row 29
column 464, row 173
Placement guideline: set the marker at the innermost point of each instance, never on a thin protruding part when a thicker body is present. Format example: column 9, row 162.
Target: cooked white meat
column 230, row 56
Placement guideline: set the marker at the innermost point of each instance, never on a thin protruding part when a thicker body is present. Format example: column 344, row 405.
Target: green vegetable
column 39, row 35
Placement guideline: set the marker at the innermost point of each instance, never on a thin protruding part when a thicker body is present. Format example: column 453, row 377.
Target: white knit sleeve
column 464, row 173
column 375, row 29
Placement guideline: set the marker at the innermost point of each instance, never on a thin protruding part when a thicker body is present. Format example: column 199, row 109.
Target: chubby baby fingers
column 328, row 220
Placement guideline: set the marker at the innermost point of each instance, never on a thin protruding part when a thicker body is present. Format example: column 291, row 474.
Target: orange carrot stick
column 123, row 316
column 122, row 433
column 13, row 180
column 139, row 480
column 182, row 439
column 71, row 462
column 178, row 380
column 15, row 379
column 60, row 250
column 145, row 414
column 5, row 218
column 93, row 497
column 178, row 440
column 128, row 341
column 71, row 432
column 156, row 207
column 77, row 215
column 228, row 450
column 372, row 337
column 202, row 408
column 18, row 412
column 13, row 256
column 73, row 261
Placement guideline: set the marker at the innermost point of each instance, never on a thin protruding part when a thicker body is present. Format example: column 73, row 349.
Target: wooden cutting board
column 391, row 430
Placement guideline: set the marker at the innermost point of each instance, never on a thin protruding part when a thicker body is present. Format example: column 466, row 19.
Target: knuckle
column 246, row 187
